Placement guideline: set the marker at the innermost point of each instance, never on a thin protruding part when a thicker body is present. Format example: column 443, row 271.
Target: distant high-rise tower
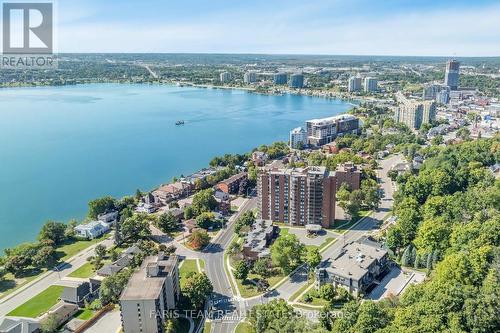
column 250, row 77
column 296, row 80
column 280, row 78
column 452, row 74
column 354, row 84
column 225, row 77
column 370, row 84
column 414, row 113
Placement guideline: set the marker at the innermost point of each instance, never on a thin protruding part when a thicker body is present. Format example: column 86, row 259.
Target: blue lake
column 63, row 146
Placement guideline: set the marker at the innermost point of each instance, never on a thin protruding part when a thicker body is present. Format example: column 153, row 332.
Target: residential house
column 109, row 217
column 91, row 230
column 358, row 266
column 259, row 158
column 143, row 207
column 19, row 325
column 232, row 184
column 122, row 262
column 169, row 192
column 77, row 292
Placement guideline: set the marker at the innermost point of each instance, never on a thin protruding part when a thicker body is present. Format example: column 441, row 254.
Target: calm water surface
column 63, row 146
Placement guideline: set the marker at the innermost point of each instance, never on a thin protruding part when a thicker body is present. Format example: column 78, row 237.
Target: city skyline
column 403, row 28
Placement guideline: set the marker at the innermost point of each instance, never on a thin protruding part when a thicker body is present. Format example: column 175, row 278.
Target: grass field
column 84, row 314
column 247, row 289
column 68, row 250
column 10, row 284
column 39, row 304
column 346, row 225
column 188, row 266
column 208, row 327
column 243, row 328
column 85, row 271
column 202, row 264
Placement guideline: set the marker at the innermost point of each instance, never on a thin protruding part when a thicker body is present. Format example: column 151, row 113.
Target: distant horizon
column 447, row 28
column 290, row 54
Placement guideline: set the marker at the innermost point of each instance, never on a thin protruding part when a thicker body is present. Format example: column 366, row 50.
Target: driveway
column 316, row 241
column 395, row 282
column 109, row 323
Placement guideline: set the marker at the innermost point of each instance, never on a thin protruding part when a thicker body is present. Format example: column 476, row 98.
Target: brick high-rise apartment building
column 302, row 196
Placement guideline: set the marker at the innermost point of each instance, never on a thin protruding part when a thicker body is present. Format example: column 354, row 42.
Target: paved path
column 109, row 323
column 25, row 293
column 298, row 279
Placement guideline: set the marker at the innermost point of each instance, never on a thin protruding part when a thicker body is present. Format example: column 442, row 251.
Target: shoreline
column 277, row 92
column 172, row 84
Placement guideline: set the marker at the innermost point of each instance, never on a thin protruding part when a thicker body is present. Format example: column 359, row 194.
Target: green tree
column 244, row 222
column 433, row 235
column 188, row 213
column 167, row 222
column 205, row 220
column 313, row 258
column 327, row 292
column 262, row 267
column 199, row 239
column 287, row 252
column 112, row 286
column 437, row 140
column 241, row 270
column 204, row 201
column 135, row 228
column 100, row 206
column 100, row 251
column 463, row 133
column 54, row 231
column 197, row 288
column 50, row 323
column 45, row 257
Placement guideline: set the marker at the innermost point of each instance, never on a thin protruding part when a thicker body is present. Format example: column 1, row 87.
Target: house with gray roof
column 356, row 267
column 19, row 325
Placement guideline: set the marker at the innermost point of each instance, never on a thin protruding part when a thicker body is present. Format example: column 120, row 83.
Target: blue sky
column 462, row 28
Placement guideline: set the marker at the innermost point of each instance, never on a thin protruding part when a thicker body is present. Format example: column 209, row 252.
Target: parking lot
column 395, row 282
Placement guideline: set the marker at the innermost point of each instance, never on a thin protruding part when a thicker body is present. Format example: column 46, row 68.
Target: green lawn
column 247, row 289
column 84, row 314
column 345, row 225
column 316, row 301
column 85, row 271
column 188, row 266
column 39, row 304
column 202, row 264
column 244, row 328
column 208, row 327
column 70, row 249
column 326, row 243
column 284, row 231
column 10, row 284
column 226, row 268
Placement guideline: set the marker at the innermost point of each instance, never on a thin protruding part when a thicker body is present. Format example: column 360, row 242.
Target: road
column 226, row 302
column 367, row 224
column 25, row 293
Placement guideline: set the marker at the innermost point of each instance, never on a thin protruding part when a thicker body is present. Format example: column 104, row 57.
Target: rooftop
column 148, row 281
column 355, row 258
column 329, row 120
